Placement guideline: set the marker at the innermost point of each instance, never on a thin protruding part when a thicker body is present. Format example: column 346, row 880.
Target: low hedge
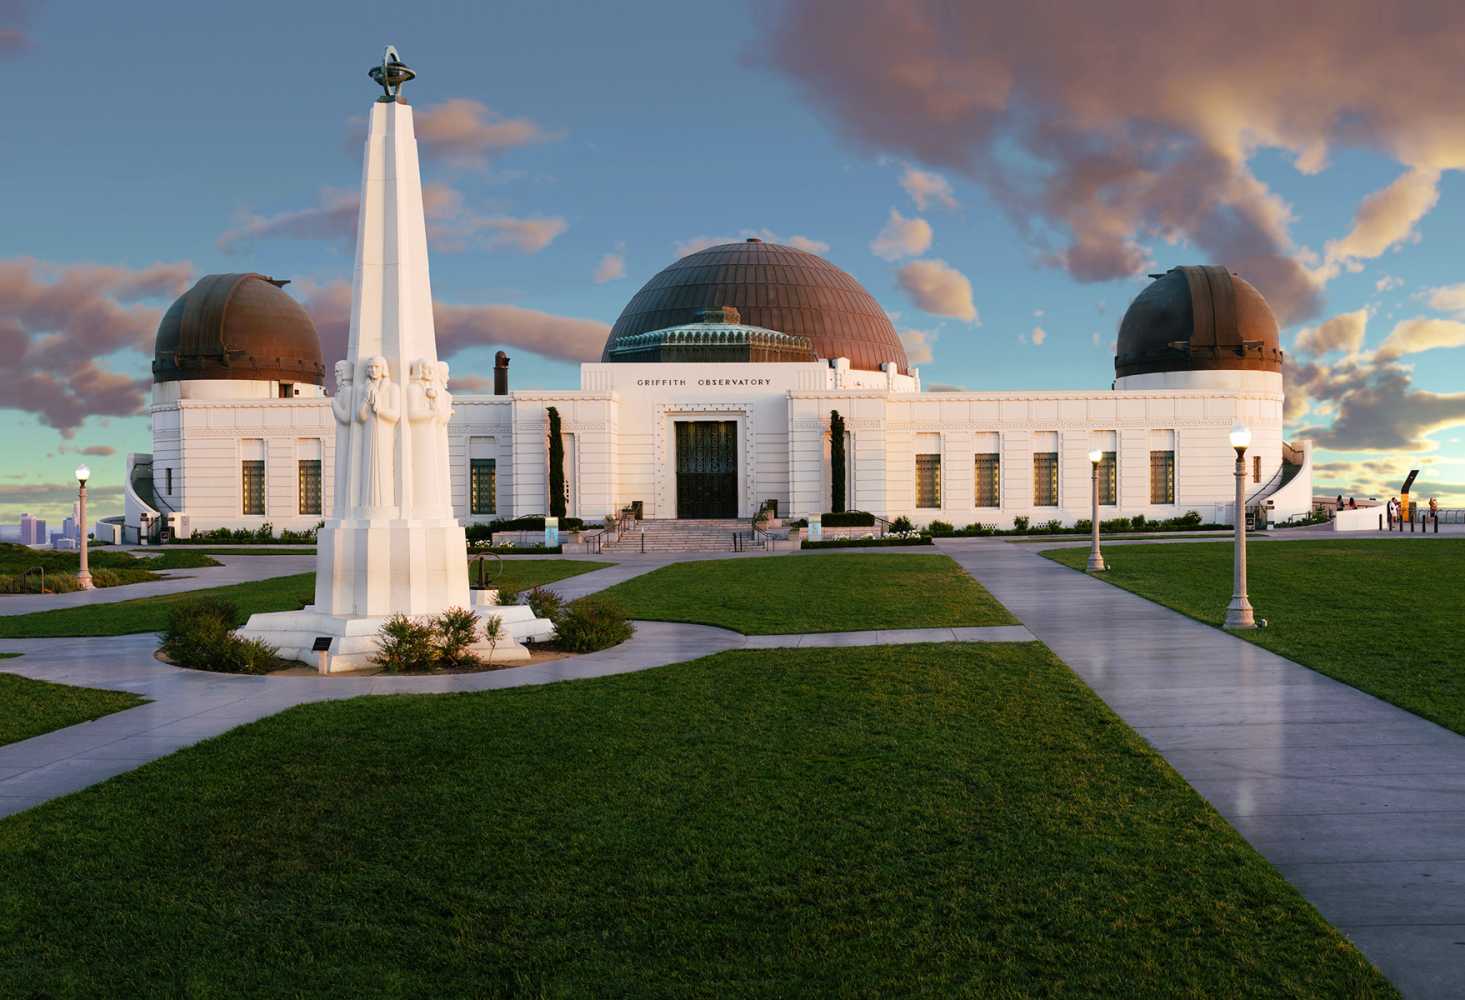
column 868, row 543
column 483, row 548
column 263, row 535
column 200, row 634
column 482, row 532
column 848, row 519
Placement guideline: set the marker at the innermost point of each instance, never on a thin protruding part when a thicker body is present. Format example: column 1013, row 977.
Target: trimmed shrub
column 1020, row 523
column 534, row 523
column 455, row 630
column 846, row 519
column 406, row 645
column 592, row 623
column 1138, row 522
column 902, row 525
column 836, row 461
column 941, row 529
column 868, row 543
column 1054, row 526
column 556, row 465
column 546, row 603
column 200, row 634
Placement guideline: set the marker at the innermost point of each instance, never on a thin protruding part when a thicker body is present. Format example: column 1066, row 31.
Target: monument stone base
column 354, row 638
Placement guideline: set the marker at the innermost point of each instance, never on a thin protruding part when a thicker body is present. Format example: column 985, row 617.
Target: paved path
column 235, row 569
column 187, row 706
column 1361, row 805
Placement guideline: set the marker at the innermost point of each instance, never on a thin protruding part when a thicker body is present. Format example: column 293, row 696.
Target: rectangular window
column 928, row 480
column 1045, row 479
column 1256, row 468
column 168, row 478
column 1109, row 479
column 482, row 486
column 989, row 480
column 310, row 486
column 287, row 390
column 254, row 486
column 1162, row 477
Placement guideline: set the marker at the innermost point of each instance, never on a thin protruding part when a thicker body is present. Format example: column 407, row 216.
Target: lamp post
column 83, row 574
column 1238, row 612
column 1096, row 558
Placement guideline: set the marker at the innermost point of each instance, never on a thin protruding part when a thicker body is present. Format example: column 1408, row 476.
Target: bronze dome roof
column 1198, row 319
column 775, row 287
column 237, row 326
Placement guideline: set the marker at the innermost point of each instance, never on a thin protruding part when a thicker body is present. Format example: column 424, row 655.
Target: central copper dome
column 775, row 287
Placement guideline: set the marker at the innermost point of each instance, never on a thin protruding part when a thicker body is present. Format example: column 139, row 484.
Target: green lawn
column 917, row 821
column 1382, row 615
column 281, row 593
column 29, row 708
column 834, row 593
column 108, row 569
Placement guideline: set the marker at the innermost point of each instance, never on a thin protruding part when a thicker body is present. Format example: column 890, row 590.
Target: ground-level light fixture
column 1239, row 613
column 1096, row 558
column 83, row 574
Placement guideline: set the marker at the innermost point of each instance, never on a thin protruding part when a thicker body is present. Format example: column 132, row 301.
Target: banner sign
column 816, row 527
column 551, row 532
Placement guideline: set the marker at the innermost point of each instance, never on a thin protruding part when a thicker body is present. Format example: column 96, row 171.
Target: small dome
column 772, row 287
column 237, row 326
column 1198, row 319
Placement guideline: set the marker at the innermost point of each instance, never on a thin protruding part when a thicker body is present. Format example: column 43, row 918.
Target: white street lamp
column 83, row 574
column 1238, row 612
column 1096, row 558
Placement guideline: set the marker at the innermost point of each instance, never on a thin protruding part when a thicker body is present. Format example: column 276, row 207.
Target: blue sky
column 143, row 134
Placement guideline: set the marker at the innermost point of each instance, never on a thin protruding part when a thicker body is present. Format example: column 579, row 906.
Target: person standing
column 1434, row 512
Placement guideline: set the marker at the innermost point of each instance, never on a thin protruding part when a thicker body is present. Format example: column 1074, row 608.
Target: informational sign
column 551, row 532
column 816, row 527
column 1404, row 495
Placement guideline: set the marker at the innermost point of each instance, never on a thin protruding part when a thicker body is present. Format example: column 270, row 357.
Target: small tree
column 556, row 466
column 836, row 461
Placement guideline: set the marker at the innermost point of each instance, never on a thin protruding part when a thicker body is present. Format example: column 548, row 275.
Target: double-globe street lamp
column 1096, row 558
column 83, row 575
column 1238, row 612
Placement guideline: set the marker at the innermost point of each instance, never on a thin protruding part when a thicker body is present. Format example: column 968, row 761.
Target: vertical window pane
column 1045, row 479
column 254, row 486
column 482, row 486
column 1109, row 479
column 989, row 480
column 1162, row 477
column 928, row 480
column 310, row 486
column 168, row 475
column 1256, row 468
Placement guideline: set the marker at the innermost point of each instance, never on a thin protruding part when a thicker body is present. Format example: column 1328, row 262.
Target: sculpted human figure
column 378, row 413
column 428, row 483
column 343, row 405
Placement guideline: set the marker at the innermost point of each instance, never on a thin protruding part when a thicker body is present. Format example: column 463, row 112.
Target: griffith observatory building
column 714, row 395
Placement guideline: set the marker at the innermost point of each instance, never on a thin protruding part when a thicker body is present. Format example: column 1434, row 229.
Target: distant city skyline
column 998, row 182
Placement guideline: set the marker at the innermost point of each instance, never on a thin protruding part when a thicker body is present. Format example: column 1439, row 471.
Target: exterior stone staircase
column 679, row 536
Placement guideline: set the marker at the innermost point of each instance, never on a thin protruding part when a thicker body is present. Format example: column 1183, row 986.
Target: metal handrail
column 498, row 570
column 34, row 569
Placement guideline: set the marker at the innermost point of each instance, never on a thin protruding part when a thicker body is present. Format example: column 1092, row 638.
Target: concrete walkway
column 1360, row 804
column 234, row 569
column 186, row 706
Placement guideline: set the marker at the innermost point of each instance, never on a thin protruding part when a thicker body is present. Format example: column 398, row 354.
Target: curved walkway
column 234, row 569
column 186, row 706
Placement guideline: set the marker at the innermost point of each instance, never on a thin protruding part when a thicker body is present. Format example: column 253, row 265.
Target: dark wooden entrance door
column 707, row 468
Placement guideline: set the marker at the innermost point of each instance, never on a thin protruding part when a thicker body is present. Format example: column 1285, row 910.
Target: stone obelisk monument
column 392, row 544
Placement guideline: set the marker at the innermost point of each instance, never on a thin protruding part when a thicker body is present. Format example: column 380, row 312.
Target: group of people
column 1395, row 511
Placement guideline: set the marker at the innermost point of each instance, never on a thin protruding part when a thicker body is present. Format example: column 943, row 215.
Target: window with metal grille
column 1109, row 479
column 928, row 480
column 482, row 486
column 168, row 478
column 1162, row 477
column 254, row 486
column 310, row 486
column 1256, row 468
column 1045, row 479
column 989, row 480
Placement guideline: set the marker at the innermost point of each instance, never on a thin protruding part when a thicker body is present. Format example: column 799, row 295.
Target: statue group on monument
column 368, row 408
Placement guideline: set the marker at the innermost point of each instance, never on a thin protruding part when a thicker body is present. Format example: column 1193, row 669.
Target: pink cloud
column 902, row 237
column 1117, row 125
column 938, row 288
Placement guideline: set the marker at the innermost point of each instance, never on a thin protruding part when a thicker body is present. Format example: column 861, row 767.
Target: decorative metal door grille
column 928, row 480
column 310, row 486
column 1109, row 479
column 707, row 468
column 482, row 486
column 1045, row 479
column 989, row 480
column 1162, row 477
column 254, row 486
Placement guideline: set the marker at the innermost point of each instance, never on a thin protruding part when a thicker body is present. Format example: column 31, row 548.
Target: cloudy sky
column 1000, row 176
